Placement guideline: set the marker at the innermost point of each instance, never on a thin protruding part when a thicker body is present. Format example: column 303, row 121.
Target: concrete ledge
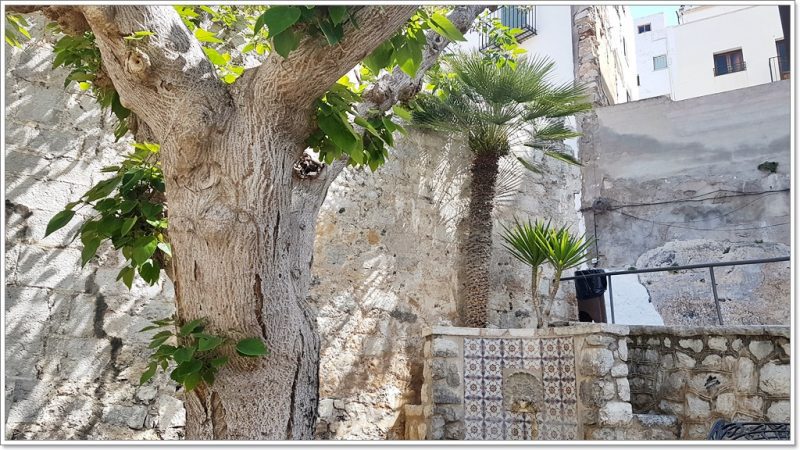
column 580, row 328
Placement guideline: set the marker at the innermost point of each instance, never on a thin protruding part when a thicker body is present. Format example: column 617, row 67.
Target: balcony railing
column 730, row 68
column 523, row 18
column 779, row 68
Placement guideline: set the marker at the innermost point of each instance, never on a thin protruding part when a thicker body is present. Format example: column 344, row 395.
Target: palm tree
column 495, row 108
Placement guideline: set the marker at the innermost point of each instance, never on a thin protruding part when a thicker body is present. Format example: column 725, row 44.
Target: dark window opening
column 637, row 80
column 729, row 62
column 783, row 55
column 644, row 28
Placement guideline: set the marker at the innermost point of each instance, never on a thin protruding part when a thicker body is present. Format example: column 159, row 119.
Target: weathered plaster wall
column 73, row 354
column 678, row 182
column 386, row 267
column 703, row 374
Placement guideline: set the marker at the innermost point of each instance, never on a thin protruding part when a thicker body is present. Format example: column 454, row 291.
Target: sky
column 669, row 12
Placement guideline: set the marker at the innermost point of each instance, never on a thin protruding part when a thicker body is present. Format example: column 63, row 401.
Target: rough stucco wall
column 73, row 354
column 680, row 181
column 386, row 263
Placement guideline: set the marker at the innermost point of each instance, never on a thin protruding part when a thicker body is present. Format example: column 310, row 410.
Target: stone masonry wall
column 73, row 353
column 577, row 383
column 700, row 375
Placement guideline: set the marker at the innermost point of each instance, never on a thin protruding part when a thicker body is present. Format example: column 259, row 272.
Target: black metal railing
column 729, row 68
column 709, row 266
column 749, row 431
column 779, row 68
column 520, row 17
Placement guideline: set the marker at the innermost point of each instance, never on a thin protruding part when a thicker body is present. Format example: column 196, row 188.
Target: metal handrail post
column 714, row 290
column 611, row 299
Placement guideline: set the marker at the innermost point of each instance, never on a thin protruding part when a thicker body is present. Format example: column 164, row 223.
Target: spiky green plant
column 521, row 241
column 537, row 242
column 495, row 108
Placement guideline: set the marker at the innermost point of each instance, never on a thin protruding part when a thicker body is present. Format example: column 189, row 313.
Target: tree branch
column 398, row 87
column 314, row 66
column 165, row 79
column 69, row 18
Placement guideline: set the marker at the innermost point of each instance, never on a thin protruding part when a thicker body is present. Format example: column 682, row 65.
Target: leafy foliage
column 80, row 54
column 495, row 105
column 16, row 30
column 522, row 241
column 130, row 214
column 195, row 355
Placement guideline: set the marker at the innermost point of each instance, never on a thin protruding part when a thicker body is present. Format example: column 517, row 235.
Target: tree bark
column 478, row 248
column 242, row 226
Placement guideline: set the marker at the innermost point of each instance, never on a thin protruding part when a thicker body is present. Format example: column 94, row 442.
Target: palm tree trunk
column 478, row 248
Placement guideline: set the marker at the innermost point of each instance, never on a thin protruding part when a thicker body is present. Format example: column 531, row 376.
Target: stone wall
column 479, row 382
column 599, row 382
column 700, row 375
column 73, row 353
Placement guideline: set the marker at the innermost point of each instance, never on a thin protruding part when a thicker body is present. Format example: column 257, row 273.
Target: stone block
column 619, row 370
column 623, row 389
column 596, row 361
column 444, row 348
column 760, row 349
column 745, row 375
column 752, row 404
column 694, row 344
column 710, row 361
column 596, row 392
column 130, row 416
column 667, row 362
column 674, row 408
column 600, row 340
column 454, row 431
column 736, row 345
column 774, row 379
column 622, row 349
column 667, row 342
column 718, row 343
column 779, row 411
column 436, row 429
column 685, row 361
column 696, row 408
column 444, row 395
column 146, row 393
column 615, row 414
column 726, row 404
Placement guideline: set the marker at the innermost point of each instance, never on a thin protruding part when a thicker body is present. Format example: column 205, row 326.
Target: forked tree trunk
column 242, row 226
column 477, row 251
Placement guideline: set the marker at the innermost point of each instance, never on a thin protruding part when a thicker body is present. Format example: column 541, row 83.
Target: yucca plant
column 537, row 242
column 521, row 241
column 494, row 108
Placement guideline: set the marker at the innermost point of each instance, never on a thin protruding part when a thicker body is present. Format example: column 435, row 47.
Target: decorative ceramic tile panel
column 486, row 416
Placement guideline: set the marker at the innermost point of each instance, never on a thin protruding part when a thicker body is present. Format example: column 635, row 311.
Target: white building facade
column 714, row 48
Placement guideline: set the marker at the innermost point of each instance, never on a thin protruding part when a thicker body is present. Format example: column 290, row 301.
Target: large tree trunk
column 477, row 251
column 242, row 226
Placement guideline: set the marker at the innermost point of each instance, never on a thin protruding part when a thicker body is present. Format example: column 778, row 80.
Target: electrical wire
column 667, row 224
column 697, row 198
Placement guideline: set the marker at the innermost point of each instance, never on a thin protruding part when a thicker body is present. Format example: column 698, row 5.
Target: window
column 729, row 62
column 659, row 62
column 644, row 28
column 514, row 16
column 783, row 55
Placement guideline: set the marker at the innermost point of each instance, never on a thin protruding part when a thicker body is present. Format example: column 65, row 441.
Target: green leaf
column 207, row 36
column 102, row 189
column 58, row 221
column 191, row 326
column 139, row 35
column 89, row 250
column 367, row 126
column 215, row 57
column 183, row 354
column 565, row 157
column 157, row 341
column 333, row 33
column 191, row 380
column 219, row 362
column 285, row 42
column 380, row 57
column 402, row 113
column 116, row 107
column 143, row 249
column 251, row 347
column 208, row 376
column 127, row 225
column 184, row 369
column 148, row 374
column 150, row 272
column 442, row 25
column 337, row 13
column 339, row 131
column 126, row 274
column 528, row 165
column 151, row 210
column 280, row 18
column 207, row 342
column 166, row 248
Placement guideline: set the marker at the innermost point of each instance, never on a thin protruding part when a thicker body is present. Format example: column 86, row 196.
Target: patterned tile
column 485, row 415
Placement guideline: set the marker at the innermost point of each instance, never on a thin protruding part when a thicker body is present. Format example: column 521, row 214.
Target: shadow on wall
column 73, row 353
